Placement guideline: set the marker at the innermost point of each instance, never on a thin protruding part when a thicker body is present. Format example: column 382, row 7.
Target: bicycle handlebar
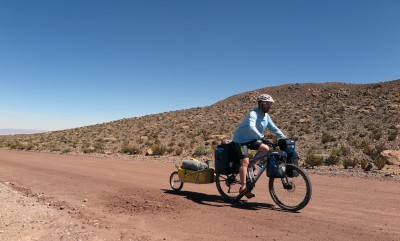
column 269, row 143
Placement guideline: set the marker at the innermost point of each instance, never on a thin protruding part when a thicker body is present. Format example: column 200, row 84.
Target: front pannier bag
column 288, row 145
column 275, row 164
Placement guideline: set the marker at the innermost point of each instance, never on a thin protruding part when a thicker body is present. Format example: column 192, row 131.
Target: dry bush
column 201, row 151
column 326, row 137
column 349, row 162
column 379, row 162
column 130, row 149
column 332, row 160
column 314, row 160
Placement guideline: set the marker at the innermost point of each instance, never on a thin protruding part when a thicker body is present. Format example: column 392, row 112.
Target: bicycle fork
column 286, row 184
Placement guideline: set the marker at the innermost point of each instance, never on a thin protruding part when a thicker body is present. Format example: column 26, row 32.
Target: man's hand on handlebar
column 267, row 142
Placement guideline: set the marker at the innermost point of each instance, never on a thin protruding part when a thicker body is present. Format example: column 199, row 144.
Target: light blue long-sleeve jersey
column 253, row 126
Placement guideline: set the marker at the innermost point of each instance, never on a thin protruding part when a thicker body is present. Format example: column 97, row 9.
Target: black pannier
column 226, row 161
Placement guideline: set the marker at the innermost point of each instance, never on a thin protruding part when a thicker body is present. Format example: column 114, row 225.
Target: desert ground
column 46, row 196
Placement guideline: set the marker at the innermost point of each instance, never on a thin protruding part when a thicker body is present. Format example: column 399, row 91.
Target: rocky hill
column 333, row 123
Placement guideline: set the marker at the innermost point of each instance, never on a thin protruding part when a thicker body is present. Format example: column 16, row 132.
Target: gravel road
column 63, row 197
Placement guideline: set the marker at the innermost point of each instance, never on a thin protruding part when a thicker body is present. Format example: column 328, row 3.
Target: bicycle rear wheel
column 291, row 193
column 228, row 185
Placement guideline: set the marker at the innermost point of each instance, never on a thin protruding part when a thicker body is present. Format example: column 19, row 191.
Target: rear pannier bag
column 225, row 161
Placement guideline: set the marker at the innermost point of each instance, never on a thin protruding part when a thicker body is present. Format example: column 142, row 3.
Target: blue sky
column 70, row 63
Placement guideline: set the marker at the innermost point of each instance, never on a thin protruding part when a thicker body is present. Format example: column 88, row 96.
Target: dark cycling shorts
column 241, row 150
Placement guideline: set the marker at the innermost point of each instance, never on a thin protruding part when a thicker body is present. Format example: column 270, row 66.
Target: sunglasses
column 265, row 103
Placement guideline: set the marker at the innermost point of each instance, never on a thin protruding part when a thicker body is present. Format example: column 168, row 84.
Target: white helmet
column 265, row 98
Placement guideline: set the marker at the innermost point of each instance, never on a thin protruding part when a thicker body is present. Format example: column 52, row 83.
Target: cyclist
column 249, row 133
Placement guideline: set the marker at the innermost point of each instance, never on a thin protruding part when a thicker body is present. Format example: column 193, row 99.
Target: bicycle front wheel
column 291, row 193
column 228, row 185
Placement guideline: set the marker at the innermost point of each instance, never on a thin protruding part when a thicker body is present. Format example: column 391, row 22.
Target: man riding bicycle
column 249, row 133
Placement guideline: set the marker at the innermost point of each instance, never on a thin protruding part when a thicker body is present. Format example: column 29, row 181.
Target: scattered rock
column 392, row 157
column 149, row 152
column 369, row 166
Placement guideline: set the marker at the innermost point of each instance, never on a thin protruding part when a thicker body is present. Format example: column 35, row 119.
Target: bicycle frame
column 253, row 162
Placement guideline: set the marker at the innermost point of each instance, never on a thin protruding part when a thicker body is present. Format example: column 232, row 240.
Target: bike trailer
column 199, row 177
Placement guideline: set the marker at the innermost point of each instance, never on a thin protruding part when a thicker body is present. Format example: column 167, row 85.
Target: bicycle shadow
column 218, row 201
column 200, row 198
column 255, row 206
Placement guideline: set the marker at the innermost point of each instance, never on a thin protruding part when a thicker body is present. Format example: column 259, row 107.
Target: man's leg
column 262, row 150
column 244, row 163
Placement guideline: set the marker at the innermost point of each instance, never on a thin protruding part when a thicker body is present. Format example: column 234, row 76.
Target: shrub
column 66, row 150
column 201, row 151
column 87, row 150
column 364, row 163
column 341, row 151
column 14, row 145
column 178, row 151
column 159, row 150
column 326, row 137
column 54, row 148
column 374, row 152
column 314, row 160
column 392, row 136
column 344, row 151
column 348, row 162
column 99, row 147
column 376, row 134
column 336, row 152
column 130, row 149
column 379, row 163
column 332, row 160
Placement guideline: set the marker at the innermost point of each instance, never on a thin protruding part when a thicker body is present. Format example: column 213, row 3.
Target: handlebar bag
column 287, row 145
